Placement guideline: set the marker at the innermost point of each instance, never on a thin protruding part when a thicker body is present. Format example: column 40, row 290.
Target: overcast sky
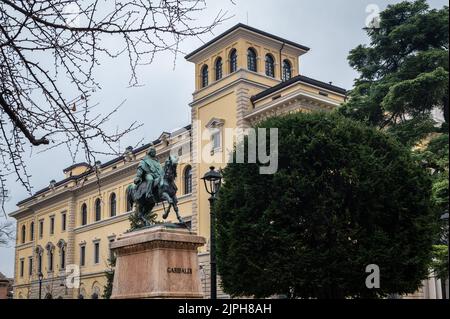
column 330, row 28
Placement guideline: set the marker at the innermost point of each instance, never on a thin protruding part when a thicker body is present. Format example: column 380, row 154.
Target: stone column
column 438, row 288
column 446, row 289
column 431, row 288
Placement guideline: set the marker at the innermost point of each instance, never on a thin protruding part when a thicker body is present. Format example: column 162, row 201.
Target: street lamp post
column 445, row 217
column 212, row 180
column 40, row 276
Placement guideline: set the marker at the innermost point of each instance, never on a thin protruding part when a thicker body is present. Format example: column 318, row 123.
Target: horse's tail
column 130, row 194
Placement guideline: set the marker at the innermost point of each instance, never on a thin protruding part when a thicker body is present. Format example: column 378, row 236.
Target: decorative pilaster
column 71, row 224
column 16, row 257
column 195, row 164
column 242, row 106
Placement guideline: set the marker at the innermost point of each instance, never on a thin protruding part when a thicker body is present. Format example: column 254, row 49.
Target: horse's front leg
column 167, row 211
column 166, row 197
column 175, row 208
column 141, row 214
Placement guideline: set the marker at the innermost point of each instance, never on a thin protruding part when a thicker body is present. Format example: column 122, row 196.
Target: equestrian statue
column 154, row 184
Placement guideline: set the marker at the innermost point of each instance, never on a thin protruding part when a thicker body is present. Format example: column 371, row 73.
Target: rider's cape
column 141, row 190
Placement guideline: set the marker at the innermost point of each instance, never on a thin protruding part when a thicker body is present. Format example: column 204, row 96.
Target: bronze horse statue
column 165, row 191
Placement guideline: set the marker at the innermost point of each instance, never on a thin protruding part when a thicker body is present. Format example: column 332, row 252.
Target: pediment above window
column 49, row 246
column 164, row 136
column 215, row 123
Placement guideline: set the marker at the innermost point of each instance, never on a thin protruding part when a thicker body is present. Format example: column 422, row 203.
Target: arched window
column 62, row 253
column 287, row 70
column 187, row 180
column 112, row 205
column 218, row 66
column 50, row 251
column 39, row 251
column 129, row 203
column 95, row 292
column 82, row 294
column 24, row 233
column 251, row 60
column 50, row 260
column 270, row 65
column 233, row 61
column 204, row 76
column 32, row 231
column 40, row 262
column 98, row 209
column 83, row 214
column 63, row 258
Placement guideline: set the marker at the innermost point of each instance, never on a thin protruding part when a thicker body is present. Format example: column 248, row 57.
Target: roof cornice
column 247, row 28
column 300, row 79
column 92, row 171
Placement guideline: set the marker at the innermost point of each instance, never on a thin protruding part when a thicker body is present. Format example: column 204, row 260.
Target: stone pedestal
column 157, row 262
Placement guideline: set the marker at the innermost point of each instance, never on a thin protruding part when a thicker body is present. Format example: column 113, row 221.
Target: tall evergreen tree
column 403, row 80
column 344, row 196
column 403, row 72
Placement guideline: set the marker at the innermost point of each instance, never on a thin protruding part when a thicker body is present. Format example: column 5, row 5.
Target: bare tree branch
column 17, row 122
column 6, row 233
column 35, row 110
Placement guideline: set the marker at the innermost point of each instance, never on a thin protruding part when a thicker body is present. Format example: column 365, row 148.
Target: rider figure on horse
column 153, row 185
column 150, row 170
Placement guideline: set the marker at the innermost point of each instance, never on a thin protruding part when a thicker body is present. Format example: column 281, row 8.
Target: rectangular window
column 22, row 265
column 83, row 215
column 63, row 258
column 50, row 260
column 96, row 253
column 63, row 221
column 111, row 253
column 41, row 228
column 52, row 225
column 215, row 138
column 30, row 266
column 40, row 263
column 82, row 255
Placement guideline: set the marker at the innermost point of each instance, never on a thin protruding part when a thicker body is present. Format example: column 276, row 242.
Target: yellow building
column 241, row 77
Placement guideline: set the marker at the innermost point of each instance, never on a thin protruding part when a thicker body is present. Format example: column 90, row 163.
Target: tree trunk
column 445, row 109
